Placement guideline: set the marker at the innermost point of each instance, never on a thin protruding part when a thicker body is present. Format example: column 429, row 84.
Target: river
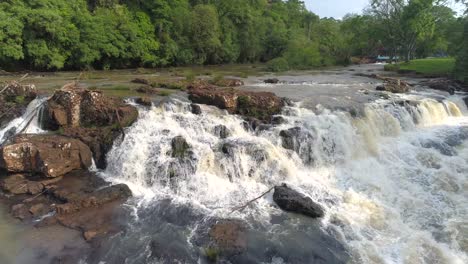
column 390, row 170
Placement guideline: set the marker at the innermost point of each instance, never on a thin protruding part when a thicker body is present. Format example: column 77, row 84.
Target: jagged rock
column 72, row 106
column 221, row 131
column 229, row 236
column 299, row 141
column 90, row 116
column 272, row 81
column 145, row 101
column 50, row 155
column 196, row 109
column 260, row 105
column 179, row 147
column 292, row 201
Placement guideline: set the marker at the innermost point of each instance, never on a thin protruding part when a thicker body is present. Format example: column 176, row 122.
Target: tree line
column 106, row 34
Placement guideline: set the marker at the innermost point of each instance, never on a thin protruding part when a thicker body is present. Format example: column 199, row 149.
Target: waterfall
column 28, row 123
column 393, row 179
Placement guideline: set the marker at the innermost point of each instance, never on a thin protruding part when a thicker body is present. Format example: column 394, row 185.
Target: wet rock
column 196, row 109
column 272, row 81
column 141, row 81
column 39, row 209
column 73, row 106
column 259, row 105
column 299, row 141
column 50, row 155
column 221, row 131
column 229, row 236
column 394, row 86
column 146, row 90
column 292, row 201
column 18, row 184
column 145, row 101
column 20, row 211
column 180, row 147
column 278, row 120
column 446, row 85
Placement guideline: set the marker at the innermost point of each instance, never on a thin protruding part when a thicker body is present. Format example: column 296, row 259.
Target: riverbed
column 390, row 170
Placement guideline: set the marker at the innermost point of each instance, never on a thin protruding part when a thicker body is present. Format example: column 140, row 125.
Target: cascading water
column 393, row 181
column 28, row 123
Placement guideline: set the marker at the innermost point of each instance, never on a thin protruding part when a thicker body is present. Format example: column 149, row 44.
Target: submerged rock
column 196, row 109
column 272, row 81
column 295, row 202
column 180, row 147
column 394, row 86
column 229, row 236
column 221, row 131
column 49, row 155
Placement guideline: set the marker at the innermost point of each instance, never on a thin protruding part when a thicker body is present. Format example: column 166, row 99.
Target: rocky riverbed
column 269, row 169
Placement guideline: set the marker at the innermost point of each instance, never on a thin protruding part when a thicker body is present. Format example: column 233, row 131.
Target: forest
column 50, row 35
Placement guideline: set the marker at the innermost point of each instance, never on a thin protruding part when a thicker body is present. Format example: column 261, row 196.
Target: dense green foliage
column 104, row 34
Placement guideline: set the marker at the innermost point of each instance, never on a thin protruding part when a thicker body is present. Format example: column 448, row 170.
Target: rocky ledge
column 256, row 105
column 14, row 98
column 89, row 116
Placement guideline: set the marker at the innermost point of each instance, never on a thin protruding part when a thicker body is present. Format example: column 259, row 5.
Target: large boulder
column 92, row 117
column 260, row 105
column 292, row 201
column 50, row 155
column 73, row 106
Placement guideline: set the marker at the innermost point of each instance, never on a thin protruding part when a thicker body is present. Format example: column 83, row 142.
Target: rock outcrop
column 300, row 141
column 394, row 86
column 260, row 105
column 14, row 99
column 95, row 119
column 292, row 201
column 50, row 155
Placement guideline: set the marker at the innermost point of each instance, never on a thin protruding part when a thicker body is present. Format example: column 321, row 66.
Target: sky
column 336, row 8
column 339, row 8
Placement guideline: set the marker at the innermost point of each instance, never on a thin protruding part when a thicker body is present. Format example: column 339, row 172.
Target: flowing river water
column 391, row 173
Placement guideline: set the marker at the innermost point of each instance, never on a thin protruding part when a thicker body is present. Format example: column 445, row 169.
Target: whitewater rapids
column 393, row 179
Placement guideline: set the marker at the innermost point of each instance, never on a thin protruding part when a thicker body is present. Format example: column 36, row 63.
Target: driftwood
column 240, row 208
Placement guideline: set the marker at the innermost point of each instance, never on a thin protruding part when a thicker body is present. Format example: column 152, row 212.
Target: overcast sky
column 339, row 8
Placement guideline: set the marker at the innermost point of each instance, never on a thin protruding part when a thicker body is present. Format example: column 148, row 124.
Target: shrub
column 278, row 65
column 391, row 67
column 190, row 76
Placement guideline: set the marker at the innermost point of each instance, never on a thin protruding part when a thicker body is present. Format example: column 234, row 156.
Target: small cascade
column 392, row 179
column 29, row 122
